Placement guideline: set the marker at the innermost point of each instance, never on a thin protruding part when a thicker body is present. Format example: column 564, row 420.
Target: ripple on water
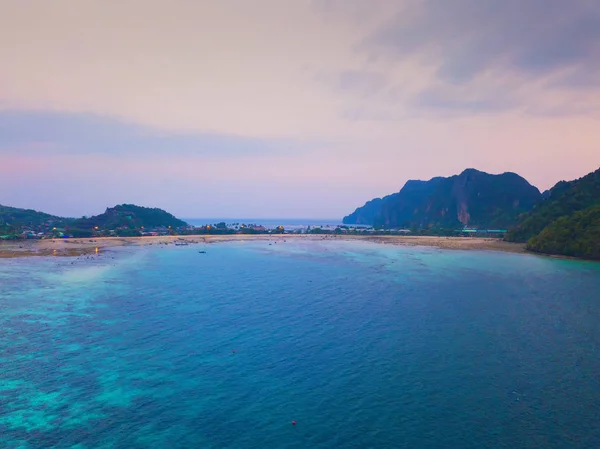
column 363, row 345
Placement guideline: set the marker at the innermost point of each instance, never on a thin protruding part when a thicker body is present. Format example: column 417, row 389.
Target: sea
column 287, row 343
column 292, row 224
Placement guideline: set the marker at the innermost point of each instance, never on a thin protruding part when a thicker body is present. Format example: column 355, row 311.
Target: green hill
column 472, row 198
column 563, row 200
column 577, row 235
column 130, row 216
column 13, row 220
column 126, row 219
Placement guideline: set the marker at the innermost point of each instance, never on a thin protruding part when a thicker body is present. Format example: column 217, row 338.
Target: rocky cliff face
column 366, row 215
column 473, row 198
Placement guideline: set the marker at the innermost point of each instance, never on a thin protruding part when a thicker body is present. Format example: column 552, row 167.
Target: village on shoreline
column 47, row 230
column 38, row 234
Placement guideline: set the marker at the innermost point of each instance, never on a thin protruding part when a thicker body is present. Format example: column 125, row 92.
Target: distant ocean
column 270, row 223
column 362, row 345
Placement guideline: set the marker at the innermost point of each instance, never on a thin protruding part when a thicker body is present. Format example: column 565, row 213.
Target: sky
column 288, row 109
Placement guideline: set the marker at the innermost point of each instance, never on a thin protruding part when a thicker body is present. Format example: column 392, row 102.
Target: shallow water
column 362, row 344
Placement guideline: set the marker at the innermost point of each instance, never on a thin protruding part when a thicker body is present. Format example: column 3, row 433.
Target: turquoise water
column 363, row 345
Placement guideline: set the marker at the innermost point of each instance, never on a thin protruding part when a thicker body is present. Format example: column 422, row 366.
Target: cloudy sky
column 270, row 108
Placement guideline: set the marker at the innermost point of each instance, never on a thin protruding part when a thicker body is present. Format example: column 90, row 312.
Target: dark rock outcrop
column 472, row 198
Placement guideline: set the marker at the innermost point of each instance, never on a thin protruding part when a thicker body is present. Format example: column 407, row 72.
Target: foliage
column 6, row 229
column 130, row 216
column 577, row 235
column 78, row 232
column 209, row 230
column 564, row 199
column 125, row 219
column 30, row 218
column 128, row 233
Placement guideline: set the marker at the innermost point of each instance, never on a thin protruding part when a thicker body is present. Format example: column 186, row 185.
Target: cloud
column 577, row 80
column 317, row 100
column 43, row 132
column 448, row 100
column 469, row 37
column 363, row 82
column 354, row 82
column 536, row 57
column 227, row 67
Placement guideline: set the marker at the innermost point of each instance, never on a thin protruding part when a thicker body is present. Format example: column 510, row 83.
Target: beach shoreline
column 81, row 246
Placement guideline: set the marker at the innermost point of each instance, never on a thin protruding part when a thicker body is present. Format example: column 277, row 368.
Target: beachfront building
column 474, row 232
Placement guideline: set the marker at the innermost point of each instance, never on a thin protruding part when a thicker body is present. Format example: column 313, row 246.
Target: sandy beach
column 75, row 247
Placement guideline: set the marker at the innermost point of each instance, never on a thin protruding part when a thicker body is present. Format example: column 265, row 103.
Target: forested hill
column 15, row 221
column 563, row 200
column 576, row 235
column 130, row 216
column 472, row 198
column 16, row 217
column 566, row 222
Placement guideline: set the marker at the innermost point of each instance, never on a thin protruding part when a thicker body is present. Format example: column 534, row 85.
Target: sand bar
column 74, row 247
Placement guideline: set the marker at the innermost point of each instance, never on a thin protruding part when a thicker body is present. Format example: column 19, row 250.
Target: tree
column 577, row 236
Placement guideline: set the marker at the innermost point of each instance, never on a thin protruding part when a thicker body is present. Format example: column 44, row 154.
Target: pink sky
column 288, row 109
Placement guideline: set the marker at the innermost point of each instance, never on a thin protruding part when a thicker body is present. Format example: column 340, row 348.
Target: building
column 468, row 232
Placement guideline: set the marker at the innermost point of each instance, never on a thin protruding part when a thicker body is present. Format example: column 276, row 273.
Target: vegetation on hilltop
column 577, row 235
column 125, row 219
column 130, row 216
column 16, row 217
column 7, row 230
column 563, row 200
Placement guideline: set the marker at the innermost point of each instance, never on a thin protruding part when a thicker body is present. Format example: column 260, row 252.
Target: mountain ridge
column 471, row 198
